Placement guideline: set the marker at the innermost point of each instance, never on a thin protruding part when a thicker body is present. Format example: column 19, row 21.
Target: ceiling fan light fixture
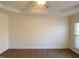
column 41, row 2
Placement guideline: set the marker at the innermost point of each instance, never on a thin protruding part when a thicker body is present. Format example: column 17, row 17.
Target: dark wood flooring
column 39, row 53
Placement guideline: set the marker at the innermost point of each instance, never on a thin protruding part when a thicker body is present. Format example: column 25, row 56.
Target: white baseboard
column 3, row 51
column 75, row 50
column 39, row 48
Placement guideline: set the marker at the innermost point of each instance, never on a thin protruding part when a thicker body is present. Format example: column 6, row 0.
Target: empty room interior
column 39, row 29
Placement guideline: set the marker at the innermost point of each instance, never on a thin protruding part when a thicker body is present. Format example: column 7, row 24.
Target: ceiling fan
column 40, row 3
column 39, row 6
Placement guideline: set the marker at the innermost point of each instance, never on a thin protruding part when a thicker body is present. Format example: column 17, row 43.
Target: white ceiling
column 15, row 4
column 23, row 6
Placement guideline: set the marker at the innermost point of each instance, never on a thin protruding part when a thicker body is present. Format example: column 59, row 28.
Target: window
column 76, row 33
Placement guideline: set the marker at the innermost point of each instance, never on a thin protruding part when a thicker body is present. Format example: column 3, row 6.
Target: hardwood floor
column 39, row 53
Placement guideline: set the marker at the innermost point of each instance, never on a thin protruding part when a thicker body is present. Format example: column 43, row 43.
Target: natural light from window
column 76, row 32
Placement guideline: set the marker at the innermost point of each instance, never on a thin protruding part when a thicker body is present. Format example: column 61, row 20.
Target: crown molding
column 71, row 10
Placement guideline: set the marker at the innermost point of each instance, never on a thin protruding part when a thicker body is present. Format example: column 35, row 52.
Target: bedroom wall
column 4, row 39
column 37, row 31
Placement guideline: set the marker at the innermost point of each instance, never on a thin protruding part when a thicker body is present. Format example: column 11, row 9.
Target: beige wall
column 4, row 44
column 38, row 31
